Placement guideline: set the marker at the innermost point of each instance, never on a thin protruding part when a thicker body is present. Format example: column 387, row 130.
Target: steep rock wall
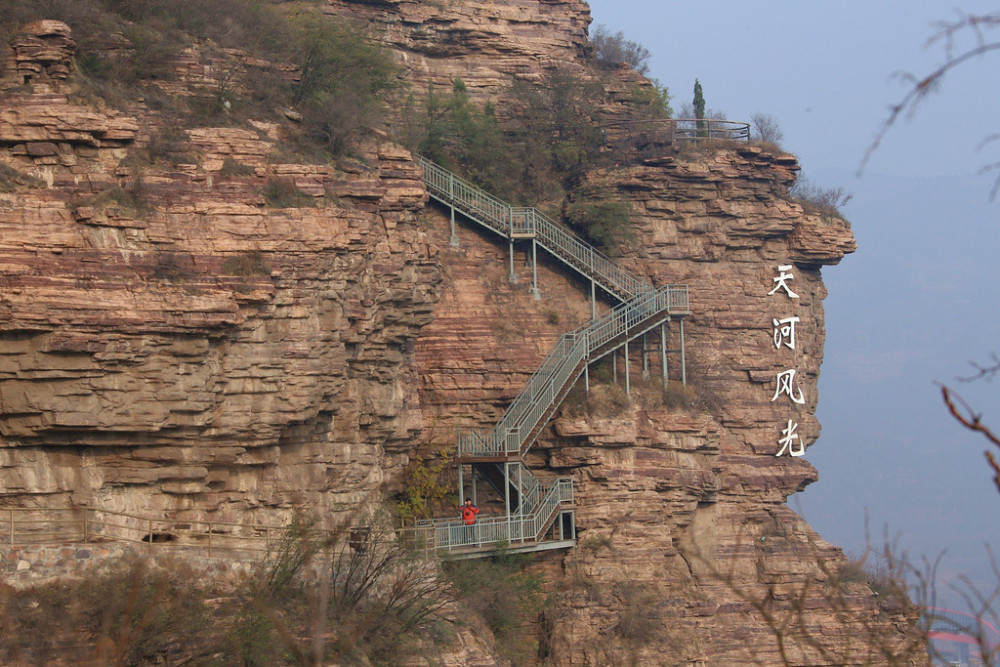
column 483, row 42
column 173, row 344
column 688, row 551
column 177, row 346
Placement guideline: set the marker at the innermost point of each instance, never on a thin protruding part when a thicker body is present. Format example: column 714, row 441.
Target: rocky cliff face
column 174, row 343
column 687, row 552
column 685, row 535
column 484, row 43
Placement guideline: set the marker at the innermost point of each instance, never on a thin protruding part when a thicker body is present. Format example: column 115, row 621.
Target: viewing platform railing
column 667, row 131
column 491, row 530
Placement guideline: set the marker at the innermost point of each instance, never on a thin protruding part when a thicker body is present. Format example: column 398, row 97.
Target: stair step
column 642, row 308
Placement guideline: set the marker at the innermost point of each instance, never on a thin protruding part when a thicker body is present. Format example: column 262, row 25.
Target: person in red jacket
column 469, row 512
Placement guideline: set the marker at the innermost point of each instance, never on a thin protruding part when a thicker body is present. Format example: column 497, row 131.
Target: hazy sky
column 918, row 301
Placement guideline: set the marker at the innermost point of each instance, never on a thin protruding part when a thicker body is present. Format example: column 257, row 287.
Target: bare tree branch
column 919, row 88
column 964, row 415
column 984, row 372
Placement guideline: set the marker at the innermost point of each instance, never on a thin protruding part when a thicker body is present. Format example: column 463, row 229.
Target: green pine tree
column 699, row 107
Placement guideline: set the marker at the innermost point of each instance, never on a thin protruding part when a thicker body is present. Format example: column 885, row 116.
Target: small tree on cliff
column 699, row 107
column 699, row 100
column 611, row 50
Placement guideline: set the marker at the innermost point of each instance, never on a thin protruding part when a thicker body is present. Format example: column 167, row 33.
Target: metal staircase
column 518, row 222
column 539, row 512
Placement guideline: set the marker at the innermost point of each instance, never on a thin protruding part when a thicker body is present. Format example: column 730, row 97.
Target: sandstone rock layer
column 173, row 343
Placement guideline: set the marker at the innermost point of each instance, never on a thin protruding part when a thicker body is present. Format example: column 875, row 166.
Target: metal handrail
column 522, row 222
column 488, row 531
column 533, row 406
column 561, row 367
column 688, row 129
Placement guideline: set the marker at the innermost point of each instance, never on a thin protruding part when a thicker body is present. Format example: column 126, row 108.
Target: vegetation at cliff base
column 505, row 596
column 356, row 595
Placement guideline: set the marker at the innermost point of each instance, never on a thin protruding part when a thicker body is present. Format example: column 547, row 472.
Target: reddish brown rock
column 172, row 346
column 181, row 347
column 482, row 42
column 43, row 52
column 673, row 502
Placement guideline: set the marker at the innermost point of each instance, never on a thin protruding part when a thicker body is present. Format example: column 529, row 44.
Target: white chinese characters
column 788, row 439
column 784, row 332
column 784, row 382
column 781, row 281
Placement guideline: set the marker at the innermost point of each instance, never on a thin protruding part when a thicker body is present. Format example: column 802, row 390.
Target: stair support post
column 506, row 495
column 534, row 271
column 520, row 491
column 586, row 378
column 513, row 276
column 593, row 299
column 451, row 198
column 684, row 379
column 645, row 359
column 628, row 388
column 663, row 353
column 461, row 489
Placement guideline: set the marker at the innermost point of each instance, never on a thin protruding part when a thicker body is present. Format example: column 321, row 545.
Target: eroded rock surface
column 482, row 42
column 174, row 344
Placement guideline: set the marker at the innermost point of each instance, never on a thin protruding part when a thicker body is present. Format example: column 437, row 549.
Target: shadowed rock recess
column 174, row 345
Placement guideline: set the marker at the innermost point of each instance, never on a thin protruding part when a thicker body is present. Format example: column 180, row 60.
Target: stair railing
column 562, row 366
column 526, row 222
column 521, row 421
column 488, row 531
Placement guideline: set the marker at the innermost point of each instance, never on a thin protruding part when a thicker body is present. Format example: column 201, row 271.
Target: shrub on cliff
column 767, row 130
column 550, row 136
column 11, row 179
column 613, row 49
column 817, row 199
column 601, row 220
column 463, row 136
column 425, row 493
column 125, row 50
column 343, row 79
column 283, row 193
column 357, row 595
column 504, row 595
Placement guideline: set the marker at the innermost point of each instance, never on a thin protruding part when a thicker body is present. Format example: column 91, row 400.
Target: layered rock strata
column 43, row 52
column 688, row 552
column 482, row 42
column 174, row 344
